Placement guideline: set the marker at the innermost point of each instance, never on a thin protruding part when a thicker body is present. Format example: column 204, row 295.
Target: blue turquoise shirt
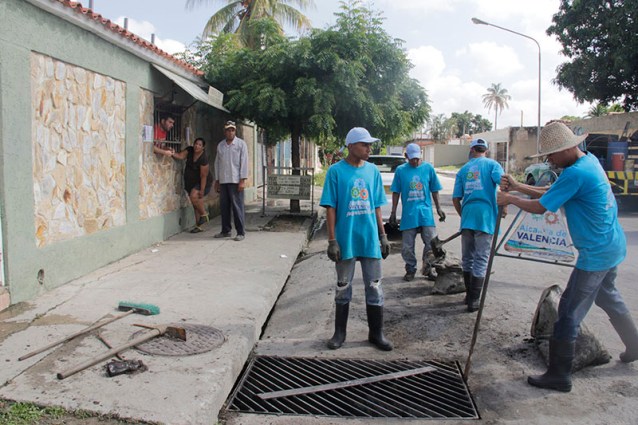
column 415, row 184
column 476, row 184
column 592, row 214
column 355, row 193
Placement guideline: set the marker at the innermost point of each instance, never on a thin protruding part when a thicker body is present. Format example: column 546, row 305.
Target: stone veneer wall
column 160, row 176
column 78, row 127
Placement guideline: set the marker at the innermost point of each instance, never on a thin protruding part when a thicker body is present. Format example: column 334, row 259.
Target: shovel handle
column 477, row 323
column 113, row 351
column 457, row 234
column 78, row 333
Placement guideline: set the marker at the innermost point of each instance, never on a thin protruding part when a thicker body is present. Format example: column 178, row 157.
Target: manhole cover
column 199, row 339
column 353, row 388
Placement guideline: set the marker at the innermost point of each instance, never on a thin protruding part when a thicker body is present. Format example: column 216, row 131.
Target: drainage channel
column 353, row 388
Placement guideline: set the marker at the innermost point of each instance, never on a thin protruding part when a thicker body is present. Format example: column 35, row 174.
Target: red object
column 618, row 161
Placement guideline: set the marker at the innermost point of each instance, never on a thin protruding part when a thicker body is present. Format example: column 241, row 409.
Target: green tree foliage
column 497, row 98
column 599, row 37
column 320, row 86
column 441, row 128
column 597, row 110
column 352, row 74
column 600, row 109
column 468, row 123
column 236, row 15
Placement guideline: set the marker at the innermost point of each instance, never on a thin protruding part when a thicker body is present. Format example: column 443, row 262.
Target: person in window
column 160, row 133
column 197, row 179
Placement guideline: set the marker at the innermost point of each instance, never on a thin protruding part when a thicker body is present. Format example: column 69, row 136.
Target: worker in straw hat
column 592, row 217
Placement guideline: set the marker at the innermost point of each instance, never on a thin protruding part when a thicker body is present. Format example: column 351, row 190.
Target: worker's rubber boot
column 559, row 373
column 375, row 326
column 474, row 296
column 467, row 278
column 341, row 323
column 628, row 333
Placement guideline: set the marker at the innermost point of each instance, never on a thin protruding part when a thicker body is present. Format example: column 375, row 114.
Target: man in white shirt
column 231, row 173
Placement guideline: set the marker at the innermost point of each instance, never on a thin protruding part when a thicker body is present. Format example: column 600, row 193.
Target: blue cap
column 359, row 134
column 413, row 151
column 478, row 142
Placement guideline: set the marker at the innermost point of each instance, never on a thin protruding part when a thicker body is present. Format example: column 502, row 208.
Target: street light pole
column 538, row 130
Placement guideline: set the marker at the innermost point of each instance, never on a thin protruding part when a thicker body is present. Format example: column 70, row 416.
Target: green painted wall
column 28, row 29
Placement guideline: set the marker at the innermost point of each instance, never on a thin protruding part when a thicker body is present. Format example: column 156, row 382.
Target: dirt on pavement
column 423, row 326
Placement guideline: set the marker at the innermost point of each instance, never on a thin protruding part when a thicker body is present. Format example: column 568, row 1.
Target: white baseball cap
column 359, row 134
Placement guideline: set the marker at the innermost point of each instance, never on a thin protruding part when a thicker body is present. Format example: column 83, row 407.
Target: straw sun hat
column 556, row 137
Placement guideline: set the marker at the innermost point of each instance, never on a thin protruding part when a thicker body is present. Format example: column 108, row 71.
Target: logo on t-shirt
column 473, row 180
column 416, row 189
column 360, row 202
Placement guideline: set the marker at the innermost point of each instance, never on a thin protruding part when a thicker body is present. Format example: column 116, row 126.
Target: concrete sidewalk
column 194, row 279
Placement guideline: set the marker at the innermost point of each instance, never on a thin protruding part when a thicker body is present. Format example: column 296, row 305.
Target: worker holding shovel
column 474, row 199
column 584, row 192
column 414, row 183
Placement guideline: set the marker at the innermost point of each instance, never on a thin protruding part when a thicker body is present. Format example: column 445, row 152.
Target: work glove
column 441, row 215
column 385, row 246
column 334, row 252
column 393, row 219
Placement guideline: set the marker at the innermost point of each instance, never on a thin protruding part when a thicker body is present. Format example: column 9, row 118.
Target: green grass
column 20, row 413
column 27, row 413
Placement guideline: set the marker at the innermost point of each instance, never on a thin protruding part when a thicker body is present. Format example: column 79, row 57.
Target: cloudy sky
column 454, row 59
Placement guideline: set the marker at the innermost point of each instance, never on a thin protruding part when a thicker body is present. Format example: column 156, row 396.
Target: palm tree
column 497, row 98
column 236, row 15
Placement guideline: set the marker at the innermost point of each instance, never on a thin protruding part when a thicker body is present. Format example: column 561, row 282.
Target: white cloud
column 428, row 64
column 145, row 30
column 488, row 59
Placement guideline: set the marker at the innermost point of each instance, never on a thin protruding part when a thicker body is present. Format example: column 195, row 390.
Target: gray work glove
column 334, row 252
column 385, row 246
column 393, row 220
column 441, row 215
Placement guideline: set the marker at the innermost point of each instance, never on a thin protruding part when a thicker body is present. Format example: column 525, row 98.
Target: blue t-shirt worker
column 474, row 199
column 414, row 184
column 585, row 194
column 352, row 195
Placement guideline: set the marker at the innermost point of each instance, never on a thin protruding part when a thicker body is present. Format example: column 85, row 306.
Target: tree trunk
column 495, row 118
column 295, row 136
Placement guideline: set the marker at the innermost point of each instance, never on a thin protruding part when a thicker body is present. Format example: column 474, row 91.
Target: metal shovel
column 436, row 244
column 172, row 331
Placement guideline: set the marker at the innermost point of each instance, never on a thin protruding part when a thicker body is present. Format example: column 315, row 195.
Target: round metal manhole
column 199, row 339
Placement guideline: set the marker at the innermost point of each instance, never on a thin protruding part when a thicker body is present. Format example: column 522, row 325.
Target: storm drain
column 199, row 339
column 353, row 388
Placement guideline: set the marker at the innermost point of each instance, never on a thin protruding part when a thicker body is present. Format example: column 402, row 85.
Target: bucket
column 618, row 161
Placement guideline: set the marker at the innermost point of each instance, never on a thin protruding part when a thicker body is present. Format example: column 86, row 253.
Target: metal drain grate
column 353, row 388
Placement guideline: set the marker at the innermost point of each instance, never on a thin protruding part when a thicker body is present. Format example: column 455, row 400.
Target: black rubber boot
column 474, row 297
column 467, row 278
column 628, row 333
column 375, row 326
column 559, row 373
column 341, row 323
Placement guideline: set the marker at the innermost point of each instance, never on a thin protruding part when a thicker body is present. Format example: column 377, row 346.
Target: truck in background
column 617, row 152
